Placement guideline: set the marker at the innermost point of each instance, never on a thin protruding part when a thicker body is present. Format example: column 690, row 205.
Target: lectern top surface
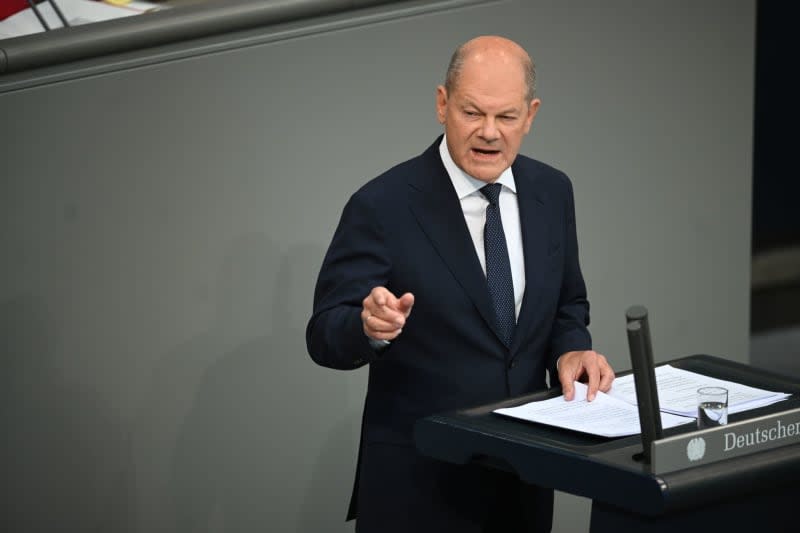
column 587, row 465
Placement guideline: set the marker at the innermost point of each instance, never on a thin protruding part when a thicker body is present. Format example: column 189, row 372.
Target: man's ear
column 532, row 109
column 441, row 103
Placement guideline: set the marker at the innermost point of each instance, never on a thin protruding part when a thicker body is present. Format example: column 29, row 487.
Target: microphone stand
column 644, row 378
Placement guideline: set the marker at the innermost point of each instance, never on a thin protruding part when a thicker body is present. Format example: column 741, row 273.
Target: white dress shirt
column 473, row 204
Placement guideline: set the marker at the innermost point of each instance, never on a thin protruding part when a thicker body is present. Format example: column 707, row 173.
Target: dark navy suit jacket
column 405, row 230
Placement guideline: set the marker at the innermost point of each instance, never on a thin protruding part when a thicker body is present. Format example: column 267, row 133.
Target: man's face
column 486, row 115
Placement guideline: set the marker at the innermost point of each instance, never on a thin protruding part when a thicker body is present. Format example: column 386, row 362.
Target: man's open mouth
column 483, row 151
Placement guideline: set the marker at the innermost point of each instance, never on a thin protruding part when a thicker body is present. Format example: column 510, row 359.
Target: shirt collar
column 465, row 184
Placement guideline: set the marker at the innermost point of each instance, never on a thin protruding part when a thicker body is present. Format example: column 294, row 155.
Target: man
column 406, row 287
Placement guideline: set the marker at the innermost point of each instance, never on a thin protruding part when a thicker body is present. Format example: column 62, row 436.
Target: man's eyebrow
column 511, row 110
column 507, row 111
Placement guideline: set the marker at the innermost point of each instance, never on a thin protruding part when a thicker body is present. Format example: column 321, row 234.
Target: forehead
column 492, row 80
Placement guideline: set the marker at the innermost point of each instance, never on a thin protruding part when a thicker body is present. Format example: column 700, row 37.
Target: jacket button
column 512, row 364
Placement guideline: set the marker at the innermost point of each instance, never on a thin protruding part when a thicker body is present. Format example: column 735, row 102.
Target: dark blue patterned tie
column 498, row 267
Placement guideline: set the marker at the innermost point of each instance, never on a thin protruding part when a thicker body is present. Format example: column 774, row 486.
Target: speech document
column 615, row 414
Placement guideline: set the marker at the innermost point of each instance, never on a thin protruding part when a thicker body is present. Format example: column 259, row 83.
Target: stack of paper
column 606, row 415
column 615, row 414
column 677, row 391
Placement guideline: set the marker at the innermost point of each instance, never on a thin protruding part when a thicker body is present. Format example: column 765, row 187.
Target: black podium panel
column 624, row 491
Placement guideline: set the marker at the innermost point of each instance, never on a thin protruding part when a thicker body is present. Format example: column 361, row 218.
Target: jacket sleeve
column 356, row 261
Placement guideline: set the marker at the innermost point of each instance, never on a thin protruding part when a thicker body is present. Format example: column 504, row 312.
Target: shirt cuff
column 378, row 344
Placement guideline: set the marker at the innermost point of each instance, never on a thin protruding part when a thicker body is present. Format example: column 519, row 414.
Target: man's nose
column 489, row 129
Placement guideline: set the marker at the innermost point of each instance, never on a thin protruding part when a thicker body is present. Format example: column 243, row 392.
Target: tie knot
column 492, row 192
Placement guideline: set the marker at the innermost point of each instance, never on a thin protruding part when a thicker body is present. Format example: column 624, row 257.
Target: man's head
column 487, row 105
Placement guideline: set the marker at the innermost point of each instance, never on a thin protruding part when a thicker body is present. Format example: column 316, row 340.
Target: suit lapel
column 533, row 221
column 435, row 205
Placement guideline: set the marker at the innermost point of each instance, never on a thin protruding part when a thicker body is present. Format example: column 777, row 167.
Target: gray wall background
column 163, row 225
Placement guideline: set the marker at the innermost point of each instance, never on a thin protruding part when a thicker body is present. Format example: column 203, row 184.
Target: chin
column 484, row 173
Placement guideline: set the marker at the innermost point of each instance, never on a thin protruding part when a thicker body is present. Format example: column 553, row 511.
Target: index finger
column 381, row 303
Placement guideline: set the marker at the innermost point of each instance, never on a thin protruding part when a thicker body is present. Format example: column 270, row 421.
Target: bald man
column 404, row 289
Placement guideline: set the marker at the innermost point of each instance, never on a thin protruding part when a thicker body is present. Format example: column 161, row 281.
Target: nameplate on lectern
column 705, row 446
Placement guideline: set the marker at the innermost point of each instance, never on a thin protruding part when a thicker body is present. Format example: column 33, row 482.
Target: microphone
column 641, row 352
